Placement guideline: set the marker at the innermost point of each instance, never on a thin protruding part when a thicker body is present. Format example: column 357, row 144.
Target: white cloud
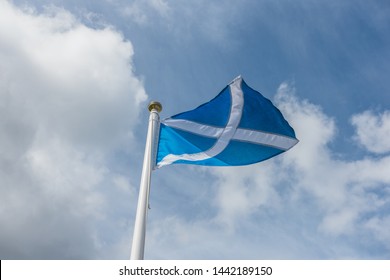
column 379, row 226
column 240, row 196
column 69, row 99
column 373, row 131
column 144, row 12
column 343, row 190
column 161, row 6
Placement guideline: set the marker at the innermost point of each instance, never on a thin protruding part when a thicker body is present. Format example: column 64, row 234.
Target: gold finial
column 155, row 105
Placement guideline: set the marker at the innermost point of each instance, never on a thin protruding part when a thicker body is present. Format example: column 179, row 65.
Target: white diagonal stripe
column 263, row 138
column 252, row 136
column 194, row 127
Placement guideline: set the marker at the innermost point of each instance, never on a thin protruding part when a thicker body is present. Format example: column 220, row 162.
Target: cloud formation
column 373, row 131
column 69, row 100
column 347, row 192
column 143, row 12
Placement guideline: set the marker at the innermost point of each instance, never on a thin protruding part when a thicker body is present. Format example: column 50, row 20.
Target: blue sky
column 75, row 81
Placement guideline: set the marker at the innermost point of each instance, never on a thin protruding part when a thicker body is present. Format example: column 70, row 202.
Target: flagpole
column 137, row 248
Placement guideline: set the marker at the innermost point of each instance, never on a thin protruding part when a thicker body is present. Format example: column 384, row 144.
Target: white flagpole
column 137, row 248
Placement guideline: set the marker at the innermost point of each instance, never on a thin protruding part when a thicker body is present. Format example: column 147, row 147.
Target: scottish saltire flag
column 238, row 127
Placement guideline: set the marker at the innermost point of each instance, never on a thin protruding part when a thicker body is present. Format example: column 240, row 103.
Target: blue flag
column 238, row 127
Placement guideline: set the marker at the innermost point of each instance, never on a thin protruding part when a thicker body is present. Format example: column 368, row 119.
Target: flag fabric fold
column 238, row 127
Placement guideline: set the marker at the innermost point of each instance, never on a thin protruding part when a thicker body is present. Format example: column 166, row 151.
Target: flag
column 238, row 127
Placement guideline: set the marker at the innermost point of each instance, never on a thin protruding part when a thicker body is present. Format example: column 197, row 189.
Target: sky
column 75, row 81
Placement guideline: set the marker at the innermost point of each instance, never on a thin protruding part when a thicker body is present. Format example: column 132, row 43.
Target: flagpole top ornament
column 155, row 105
